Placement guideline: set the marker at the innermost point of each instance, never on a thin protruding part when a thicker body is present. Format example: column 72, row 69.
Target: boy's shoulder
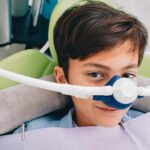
column 56, row 119
column 64, row 119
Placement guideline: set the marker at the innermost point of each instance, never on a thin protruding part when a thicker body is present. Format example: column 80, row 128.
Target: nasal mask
column 124, row 92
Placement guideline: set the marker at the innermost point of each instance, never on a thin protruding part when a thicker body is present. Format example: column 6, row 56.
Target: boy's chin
column 109, row 124
column 108, row 119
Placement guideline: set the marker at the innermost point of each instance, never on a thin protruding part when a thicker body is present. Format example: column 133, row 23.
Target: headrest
column 59, row 9
column 22, row 103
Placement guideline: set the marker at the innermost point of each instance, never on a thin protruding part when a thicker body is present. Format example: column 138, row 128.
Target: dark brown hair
column 88, row 29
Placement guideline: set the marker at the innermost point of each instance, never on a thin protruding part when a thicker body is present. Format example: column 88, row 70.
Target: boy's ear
column 59, row 75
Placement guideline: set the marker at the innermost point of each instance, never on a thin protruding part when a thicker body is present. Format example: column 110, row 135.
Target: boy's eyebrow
column 97, row 65
column 131, row 66
column 107, row 67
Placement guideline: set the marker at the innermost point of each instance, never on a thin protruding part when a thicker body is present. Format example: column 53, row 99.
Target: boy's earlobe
column 59, row 75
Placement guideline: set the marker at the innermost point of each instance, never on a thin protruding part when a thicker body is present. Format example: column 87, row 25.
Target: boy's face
column 97, row 70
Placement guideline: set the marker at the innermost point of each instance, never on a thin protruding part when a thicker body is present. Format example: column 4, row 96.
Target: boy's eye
column 129, row 75
column 95, row 76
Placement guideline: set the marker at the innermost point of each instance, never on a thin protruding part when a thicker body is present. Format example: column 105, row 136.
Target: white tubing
column 44, row 48
column 29, row 80
column 73, row 90
column 85, row 92
column 143, row 91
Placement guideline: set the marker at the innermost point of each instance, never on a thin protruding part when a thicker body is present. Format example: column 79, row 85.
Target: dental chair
column 144, row 69
column 29, row 62
column 34, row 63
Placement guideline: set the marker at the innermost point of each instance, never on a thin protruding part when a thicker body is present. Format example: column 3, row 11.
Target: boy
column 94, row 42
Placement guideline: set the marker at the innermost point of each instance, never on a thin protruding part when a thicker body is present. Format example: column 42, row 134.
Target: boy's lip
column 107, row 108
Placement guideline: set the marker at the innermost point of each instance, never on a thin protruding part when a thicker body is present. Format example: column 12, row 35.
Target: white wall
column 139, row 8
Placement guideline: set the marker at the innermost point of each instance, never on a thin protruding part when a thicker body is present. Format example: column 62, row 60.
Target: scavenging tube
column 123, row 90
column 67, row 89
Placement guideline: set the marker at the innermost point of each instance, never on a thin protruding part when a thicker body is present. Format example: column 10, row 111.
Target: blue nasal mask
column 111, row 100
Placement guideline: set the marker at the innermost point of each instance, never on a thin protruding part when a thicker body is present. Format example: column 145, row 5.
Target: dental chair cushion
column 22, row 103
column 29, row 62
column 144, row 103
column 143, row 69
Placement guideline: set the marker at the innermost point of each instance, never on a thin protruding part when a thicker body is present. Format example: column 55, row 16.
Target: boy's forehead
column 120, row 55
column 123, row 48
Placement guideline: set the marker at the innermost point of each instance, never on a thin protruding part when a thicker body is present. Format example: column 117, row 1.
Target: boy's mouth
column 107, row 108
